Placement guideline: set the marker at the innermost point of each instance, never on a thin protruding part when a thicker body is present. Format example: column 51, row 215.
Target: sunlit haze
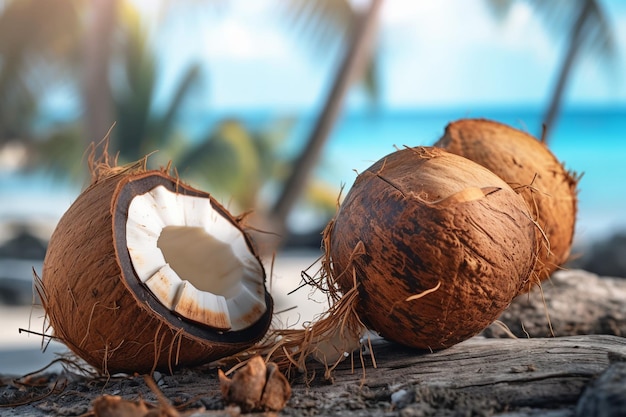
column 444, row 53
column 436, row 61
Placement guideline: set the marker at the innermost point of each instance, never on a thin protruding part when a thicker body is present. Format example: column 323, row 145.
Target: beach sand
column 21, row 352
column 535, row 374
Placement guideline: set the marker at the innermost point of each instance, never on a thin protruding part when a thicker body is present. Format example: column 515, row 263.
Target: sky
column 429, row 54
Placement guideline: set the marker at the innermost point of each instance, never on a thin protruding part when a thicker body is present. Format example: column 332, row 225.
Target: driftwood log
column 563, row 376
column 571, row 303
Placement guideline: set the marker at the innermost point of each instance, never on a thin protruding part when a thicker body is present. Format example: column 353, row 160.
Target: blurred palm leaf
column 235, row 162
column 320, row 22
column 327, row 23
column 588, row 32
column 228, row 160
column 560, row 17
column 142, row 128
column 37, row 44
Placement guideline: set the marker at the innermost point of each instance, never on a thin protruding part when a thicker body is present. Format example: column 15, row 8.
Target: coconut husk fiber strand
column 427, row 249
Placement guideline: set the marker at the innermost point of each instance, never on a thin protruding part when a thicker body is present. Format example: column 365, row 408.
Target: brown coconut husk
column 291, row 349
column 94, row 303
column 445, row 246
column 532, row 170
column 373, row 282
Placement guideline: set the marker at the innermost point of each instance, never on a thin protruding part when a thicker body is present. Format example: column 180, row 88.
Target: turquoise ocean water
column 591, row 141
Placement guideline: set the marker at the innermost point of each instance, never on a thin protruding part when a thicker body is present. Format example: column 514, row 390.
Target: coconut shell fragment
column 256, row 387
column 116, row 406
column 134, row 247
column 531, row 169
column 436, row 245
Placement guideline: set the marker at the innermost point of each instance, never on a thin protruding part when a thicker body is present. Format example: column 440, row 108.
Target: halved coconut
column 144, row 272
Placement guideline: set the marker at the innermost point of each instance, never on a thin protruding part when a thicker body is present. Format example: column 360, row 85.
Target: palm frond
column 37, row 48
column 560, row 16
column 319, row 23
column 596, row 34
column 134, row 97
column 228, row 162
column 586, row 29
column 163, row 125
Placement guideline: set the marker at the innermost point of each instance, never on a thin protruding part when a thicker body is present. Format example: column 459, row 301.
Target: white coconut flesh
column 195, row 261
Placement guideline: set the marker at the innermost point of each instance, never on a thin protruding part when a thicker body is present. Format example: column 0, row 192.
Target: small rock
column 402, row 398
column 571, row 303
column 606, row 396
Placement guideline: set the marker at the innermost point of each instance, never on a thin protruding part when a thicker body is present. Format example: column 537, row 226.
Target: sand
column 536, row 376
column 21, row 352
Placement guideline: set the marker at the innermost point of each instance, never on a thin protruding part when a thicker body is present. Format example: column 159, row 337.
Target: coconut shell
column 256, row 387
column 528, row 166
column 437, row 245
column 96, row 304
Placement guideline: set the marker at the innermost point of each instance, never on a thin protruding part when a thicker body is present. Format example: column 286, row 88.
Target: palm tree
column 139, row 129
column 242, row 160
column 97, row 50
column 36, row 45
column 353, row 67
column 588, row 31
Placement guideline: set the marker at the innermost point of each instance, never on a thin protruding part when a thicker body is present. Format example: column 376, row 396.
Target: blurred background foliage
column 104, row 51
column 40, row 50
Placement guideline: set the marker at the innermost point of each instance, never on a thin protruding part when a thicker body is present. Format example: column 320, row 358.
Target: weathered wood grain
column 566, row 376
column 513, row 377
column 486, row 374
column 606, row 396
column 576, row 302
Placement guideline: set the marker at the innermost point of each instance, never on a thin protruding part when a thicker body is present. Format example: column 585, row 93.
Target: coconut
column 528, row 166
column 144, row 272
column 436, row 245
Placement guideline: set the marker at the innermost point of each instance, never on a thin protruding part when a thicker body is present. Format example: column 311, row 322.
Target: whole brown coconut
column 437, row 245
column 529, row 167
column 135, row 280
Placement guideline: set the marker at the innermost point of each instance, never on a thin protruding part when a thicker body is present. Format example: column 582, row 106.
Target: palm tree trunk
column 97, row 94
column 574, row 43
column 352, row 66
